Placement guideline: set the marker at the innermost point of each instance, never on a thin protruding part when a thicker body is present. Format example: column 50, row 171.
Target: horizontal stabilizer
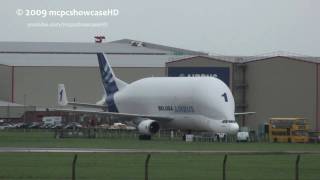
column 63, row 100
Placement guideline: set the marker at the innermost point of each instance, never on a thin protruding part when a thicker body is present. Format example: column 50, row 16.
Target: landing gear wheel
column 144, row 137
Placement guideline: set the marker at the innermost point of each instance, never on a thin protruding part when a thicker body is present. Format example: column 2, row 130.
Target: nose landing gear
column 221, row 137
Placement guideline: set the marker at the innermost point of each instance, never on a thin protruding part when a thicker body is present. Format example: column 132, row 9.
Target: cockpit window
column 228, row 121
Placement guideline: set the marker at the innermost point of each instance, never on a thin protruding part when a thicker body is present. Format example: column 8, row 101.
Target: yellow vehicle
column 288, row 130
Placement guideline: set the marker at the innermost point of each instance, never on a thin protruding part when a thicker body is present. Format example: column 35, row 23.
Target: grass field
column 46, row 139
column 162, row 166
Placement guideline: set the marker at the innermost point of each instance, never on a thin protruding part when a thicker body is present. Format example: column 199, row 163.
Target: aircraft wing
column 244, row 113
column 118, row 115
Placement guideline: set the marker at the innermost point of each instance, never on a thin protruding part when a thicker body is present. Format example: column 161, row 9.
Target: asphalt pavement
column 144, row 151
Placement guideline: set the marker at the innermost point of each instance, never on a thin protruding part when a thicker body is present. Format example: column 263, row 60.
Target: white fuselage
column 194, row 103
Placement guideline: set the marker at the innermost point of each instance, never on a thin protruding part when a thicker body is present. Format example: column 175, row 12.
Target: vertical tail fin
column 107, row 75
column 110, row 83
column 62, row 95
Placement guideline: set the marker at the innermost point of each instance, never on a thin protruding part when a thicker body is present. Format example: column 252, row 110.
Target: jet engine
column 148, row 127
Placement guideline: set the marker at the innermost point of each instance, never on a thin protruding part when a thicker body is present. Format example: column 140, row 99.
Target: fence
column 223, row 164
column 123, row 133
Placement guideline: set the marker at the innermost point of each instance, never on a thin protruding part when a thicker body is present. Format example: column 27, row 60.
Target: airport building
column 274, row 85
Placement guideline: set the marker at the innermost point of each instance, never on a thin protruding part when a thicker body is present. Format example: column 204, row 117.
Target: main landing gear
column 144, row 137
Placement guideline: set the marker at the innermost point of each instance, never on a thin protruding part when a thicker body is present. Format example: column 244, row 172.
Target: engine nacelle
column 148, row 127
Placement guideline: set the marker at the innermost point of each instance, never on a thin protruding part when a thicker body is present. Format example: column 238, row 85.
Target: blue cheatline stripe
column 109, row 83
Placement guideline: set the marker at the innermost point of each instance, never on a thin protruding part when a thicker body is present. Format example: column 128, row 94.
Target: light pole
column 24, row 110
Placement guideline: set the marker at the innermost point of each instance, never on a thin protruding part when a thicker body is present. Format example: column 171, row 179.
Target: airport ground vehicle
column 6, row 126
column 52, row 121
column 243, row 136
column 288, row 130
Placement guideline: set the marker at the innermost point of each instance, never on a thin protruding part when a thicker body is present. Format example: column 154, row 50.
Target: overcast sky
column 238, row 27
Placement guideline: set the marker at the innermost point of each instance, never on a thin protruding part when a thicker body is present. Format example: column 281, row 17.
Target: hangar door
column 222, row 73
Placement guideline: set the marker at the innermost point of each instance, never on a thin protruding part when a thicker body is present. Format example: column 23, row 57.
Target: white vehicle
column 243, row 136
column 52, row 121
column 190, row 103
column 118, row 126
column 6, row 126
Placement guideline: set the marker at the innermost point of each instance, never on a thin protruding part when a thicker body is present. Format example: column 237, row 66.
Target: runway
column 141, row 151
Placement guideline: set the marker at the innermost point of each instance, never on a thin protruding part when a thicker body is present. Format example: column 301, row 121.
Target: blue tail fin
column 109, row 82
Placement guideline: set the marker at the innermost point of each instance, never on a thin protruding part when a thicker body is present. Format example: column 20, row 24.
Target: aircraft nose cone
column 234, row 128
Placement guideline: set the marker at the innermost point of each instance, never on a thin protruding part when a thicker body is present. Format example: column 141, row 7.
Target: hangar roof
column 75, row 48
column 299, row 58
column 247, row 59
column 6, row 103
column 216, row 58
column 121, row 53
column 176, row 51
column 83, row 60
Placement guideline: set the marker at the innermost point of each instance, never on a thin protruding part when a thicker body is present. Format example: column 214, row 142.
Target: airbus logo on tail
column 109, row 83
column 107, row 76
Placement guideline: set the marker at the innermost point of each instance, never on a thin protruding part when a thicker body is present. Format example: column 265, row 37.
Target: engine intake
column 148, row 127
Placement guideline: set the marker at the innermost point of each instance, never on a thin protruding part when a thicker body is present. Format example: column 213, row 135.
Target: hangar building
column 283, row 85
column 271, row 85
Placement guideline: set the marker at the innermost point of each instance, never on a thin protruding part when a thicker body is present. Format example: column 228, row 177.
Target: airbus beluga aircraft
column 189, row 103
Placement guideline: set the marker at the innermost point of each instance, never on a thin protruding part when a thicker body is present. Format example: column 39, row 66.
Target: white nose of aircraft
column 234, row 128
